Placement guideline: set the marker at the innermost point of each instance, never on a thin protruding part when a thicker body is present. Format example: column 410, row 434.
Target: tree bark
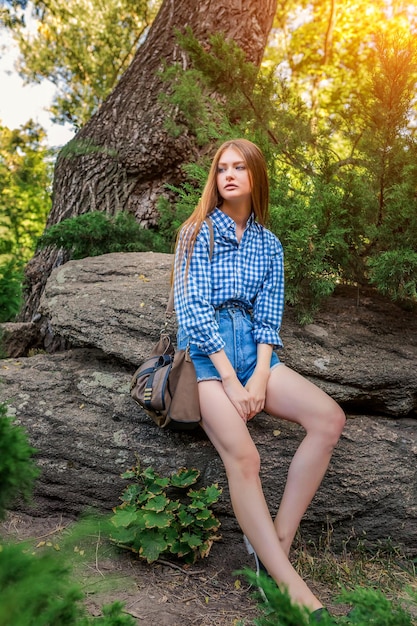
column 123, row 157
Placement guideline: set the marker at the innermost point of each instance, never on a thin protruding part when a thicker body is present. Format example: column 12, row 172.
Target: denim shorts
column 235, row 327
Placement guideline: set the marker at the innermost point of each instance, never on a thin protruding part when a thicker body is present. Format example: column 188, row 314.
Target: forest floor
column 208, row 593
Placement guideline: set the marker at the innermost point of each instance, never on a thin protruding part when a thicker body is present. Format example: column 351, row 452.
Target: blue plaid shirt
column 249, row 274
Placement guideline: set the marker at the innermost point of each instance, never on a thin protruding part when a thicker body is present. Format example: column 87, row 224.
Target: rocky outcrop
column 104, row 314
column 364, row 356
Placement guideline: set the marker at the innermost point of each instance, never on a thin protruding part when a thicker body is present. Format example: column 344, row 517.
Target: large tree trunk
column 125, row 156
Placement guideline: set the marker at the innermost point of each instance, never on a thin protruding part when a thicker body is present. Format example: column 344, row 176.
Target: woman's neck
column 238, row 211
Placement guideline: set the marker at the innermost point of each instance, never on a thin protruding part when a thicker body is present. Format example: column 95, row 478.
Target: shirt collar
column 224, row 221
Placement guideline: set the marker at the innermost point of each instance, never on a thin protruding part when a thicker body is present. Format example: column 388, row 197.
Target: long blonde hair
column 210, row 198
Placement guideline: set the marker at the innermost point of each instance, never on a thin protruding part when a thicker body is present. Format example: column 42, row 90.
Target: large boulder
column 363, row 353
column 105, row 313
column 114, row 302
column 76, row 408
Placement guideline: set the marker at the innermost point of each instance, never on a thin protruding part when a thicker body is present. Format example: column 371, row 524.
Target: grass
column 382, row 566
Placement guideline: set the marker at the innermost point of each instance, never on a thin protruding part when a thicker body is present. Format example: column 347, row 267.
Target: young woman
column 229, row 308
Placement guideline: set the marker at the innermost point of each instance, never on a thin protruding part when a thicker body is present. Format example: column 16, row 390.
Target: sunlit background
column 20, row 102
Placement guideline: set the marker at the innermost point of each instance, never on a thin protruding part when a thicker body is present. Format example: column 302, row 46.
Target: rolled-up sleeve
column 269, row 303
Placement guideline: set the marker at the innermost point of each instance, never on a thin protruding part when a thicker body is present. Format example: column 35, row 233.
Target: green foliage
column 95, row 233
column 191, row 90
column 370, row 607
column 37, row 590
column 314, row 248
column 17, row 469
column 25, row 185
column 25, row 181
column 150, row 523
column 11, row 277
column 395, row 273
column 342, row 185
column 82, row 147
column 83, row 58
column 113, row 615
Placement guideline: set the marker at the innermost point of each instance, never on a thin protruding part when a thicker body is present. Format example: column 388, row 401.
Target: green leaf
column 211, row 494
column 184, row 477
column 124, row 516
column 185, row 518
column 211, row 524
column 144, row 496
column 158, row 503
column 196, row 505
column 191, row 540
column 181, row 549
column 203, row 514
column 150, row 474
column 153, row 482
column 158, row 520
column 204, row 497
column 129, row 474
column 123, row 535
column 152, row 545
column 171, row 535
column 151, row 524
column 17, row 468
column 155, row 489
column 105, row 48
column 173, row 506
column 131, row 493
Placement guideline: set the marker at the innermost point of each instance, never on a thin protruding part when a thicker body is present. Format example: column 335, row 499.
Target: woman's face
column 233, row 181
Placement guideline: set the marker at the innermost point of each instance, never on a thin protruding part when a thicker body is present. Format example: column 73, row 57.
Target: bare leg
column 292, row 397
column 231, row 438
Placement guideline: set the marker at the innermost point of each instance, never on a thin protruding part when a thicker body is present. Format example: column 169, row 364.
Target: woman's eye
column 240, row 167
column 220, row 170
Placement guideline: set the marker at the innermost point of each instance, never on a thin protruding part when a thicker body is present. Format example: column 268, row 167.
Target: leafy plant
column 25, row 181
column 95, row 233
column 150, row 523
column 17, row 469
column 37, row 590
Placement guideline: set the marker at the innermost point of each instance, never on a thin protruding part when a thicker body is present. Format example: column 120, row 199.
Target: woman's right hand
column 238, row 396
column 235, row 391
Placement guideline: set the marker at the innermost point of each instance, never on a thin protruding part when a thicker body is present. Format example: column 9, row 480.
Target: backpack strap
column 170, row 306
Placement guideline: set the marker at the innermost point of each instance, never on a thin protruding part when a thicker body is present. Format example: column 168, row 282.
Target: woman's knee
column 246, row 462
column 330, row 423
